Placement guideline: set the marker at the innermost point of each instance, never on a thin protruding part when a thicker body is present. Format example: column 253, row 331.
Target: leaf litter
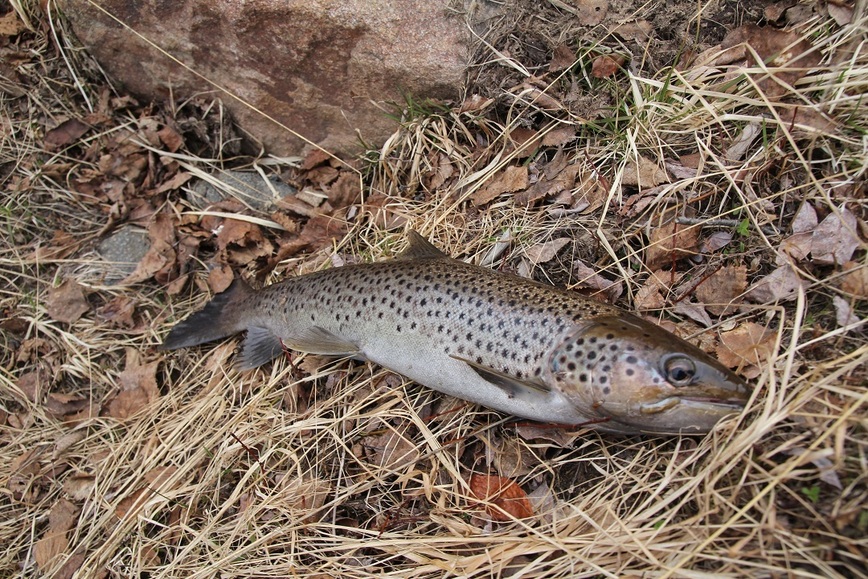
column 339, row 453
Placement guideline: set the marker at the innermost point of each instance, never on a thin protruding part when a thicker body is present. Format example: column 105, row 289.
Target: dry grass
column 333, row 468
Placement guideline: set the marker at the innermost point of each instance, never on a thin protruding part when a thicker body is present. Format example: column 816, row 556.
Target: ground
column 704, row 169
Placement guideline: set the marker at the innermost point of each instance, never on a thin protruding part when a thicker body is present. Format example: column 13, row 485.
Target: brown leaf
column 562, row 58
column 835, row 239
column 64, row 134
column 55, row 540
column 509, row 179
column 220, row 278
column 787, row 55
column 719, row 290
column 587, row 277
column 118, row 312
column 844, row 311
column 591, row 12
column 643, row 174
column 544, row 252
column 525, row 141
column 347, row 190
column 502, row 498
column 748, row 345
column 160, row 262
column 138, row 383
column 670, row 242
column 67, row 302
column 172, row 140
column 391, row 449
column 11, row 25
column 314, row 158
column 715, row 242
column 174, row 183
column 61, row 404
column 605, row 65
column 854, row 280
column 30, row 384
column 559, row 136
column 780, row 285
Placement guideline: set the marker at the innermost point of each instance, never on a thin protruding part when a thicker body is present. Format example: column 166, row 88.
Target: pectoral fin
column 315, row 340
column 514, row 387
column 260, row 346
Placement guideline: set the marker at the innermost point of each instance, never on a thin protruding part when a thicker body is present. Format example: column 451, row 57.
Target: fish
column 505, row 342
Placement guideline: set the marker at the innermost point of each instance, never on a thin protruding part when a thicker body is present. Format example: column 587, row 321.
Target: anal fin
column 514, row 387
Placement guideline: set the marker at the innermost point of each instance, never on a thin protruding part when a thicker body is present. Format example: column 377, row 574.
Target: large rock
column 313, row 65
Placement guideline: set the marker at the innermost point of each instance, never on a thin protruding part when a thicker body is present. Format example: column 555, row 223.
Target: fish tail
column 222, row 317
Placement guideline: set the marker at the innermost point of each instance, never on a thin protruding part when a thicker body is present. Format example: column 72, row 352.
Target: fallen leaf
column 79, row 487
column 501, row 497
column 589, row 278
column 65, row 134
column 695, row 312
column 841, row 14
column 30, row 384
column 750, row 344
column 844, row 312
column 524, row 141
column 510, row 179
column 854, row 280
column 154, row 481
column 590, row 12
column 391, row 449
column 67, row 302
column 563, row 58
column 784, row 56
column 835, row 239
column 138, row 383
column 61, row 404
column 118, row 312
column 11, row 25
column 780, row 285
column 643, row 173
column 559, row 136
column 544, row 252
column 441, row 170
column 55, row 540
column 715, row 242
column 172, row 140
column 605, row 65
column 719, row 290
column 638, row 31
column 220, row 277
column 161, row 259
column 346, row 190
column 670, row 242
column 742, row 143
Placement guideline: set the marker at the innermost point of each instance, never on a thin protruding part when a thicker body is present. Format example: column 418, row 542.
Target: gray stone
column 324, row 68
column 122, row 251
column 248, row 187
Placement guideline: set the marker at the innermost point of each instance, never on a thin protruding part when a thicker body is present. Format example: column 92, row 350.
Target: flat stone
column 122, row 251
column 323, row 68
column 248, row 187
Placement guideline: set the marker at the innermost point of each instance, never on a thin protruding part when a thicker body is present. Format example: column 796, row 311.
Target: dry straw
column 322, row 468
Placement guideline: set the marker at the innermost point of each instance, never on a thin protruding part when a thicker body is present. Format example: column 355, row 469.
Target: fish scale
column 506, row 342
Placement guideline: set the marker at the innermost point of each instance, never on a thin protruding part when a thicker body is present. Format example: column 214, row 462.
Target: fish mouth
column 705, row 403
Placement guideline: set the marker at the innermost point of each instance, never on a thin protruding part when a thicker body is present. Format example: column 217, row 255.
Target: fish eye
column 679, row 370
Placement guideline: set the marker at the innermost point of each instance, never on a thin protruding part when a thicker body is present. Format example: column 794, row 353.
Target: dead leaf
column 67, row 302
column 154, row 480
column 30, row 384
column 649, row 296
column 346, row 190
column 79, row 487
column 544, row 252
column 670, row 242
column 786, row 55
column 835, row 239
column 138, row 383
column 562, row 58
column 392, row 449
column 555, row 178
column 525, row 141
column 11, row 25
column 844, row 312
column 638, row 31
column 62, row 404
column 118, row 312
column 715, row 242
column 741, row 144
column 55, row 540
column 441, row 170
column 643, row 173
column 510, row 179
column 220, row 277
column 780, row 285
column 172, row 140
column 854, row 280
column 559, row 136
column 502, row 498
column 161, row 260
column 65, row 134
column 590, row 12
column 695, row 312
column 720, row 289
column 841, row 14
column 589, row 278
column 605, row 65
column 314, row 158
column 805, row 220
column 178, row 180
column 749, row 345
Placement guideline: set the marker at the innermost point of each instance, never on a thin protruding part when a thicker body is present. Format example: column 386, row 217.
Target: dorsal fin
column 420, row 248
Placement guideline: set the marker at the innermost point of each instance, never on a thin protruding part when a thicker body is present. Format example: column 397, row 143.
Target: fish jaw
column 642, row 379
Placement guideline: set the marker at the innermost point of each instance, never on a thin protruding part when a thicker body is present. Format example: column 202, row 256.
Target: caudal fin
column 223, row 316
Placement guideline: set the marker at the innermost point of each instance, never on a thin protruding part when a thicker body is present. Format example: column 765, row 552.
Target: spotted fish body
column 502, row 341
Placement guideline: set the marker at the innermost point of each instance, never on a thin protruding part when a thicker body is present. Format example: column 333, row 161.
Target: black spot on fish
column 629, row 371
column 583, row 377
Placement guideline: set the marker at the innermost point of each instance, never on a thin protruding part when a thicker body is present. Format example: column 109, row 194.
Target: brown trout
column 499, row 340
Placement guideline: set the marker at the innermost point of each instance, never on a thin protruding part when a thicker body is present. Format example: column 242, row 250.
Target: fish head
column 637, row 377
